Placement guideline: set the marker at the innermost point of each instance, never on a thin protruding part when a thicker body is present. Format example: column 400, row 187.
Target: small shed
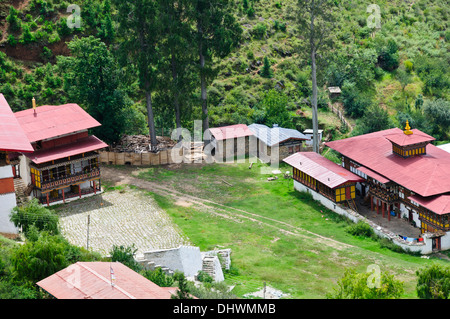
column 334, row 91
column 287, row 140
column 309, row 134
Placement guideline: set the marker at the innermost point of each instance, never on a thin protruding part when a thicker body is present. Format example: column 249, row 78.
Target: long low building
column 312, row 171
column 401, row 168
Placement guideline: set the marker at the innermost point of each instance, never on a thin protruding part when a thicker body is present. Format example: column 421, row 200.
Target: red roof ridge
column 82, row 264
column 49, row 121
column 426, row 175
column 12, row 135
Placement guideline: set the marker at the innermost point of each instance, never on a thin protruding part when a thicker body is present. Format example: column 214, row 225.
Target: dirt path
column 125, row 177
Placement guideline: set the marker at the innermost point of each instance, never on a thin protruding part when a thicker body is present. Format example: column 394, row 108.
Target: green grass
column 301, row 266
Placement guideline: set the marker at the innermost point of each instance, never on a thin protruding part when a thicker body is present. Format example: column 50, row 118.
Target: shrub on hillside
column 361, row 229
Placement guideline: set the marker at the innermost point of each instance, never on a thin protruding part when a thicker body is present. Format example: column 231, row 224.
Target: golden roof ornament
column 407, row 130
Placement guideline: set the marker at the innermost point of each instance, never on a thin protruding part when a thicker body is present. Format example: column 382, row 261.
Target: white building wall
column 445, row 241
column 424, row 248
column 8, row 202
column 24, row 168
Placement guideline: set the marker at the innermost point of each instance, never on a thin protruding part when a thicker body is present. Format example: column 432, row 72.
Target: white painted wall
column 186, row 259
column 24, row 168
column 424, row 248
column 8, row 202
column 6, row 171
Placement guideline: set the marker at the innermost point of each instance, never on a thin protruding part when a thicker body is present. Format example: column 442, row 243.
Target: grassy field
column 306, row 264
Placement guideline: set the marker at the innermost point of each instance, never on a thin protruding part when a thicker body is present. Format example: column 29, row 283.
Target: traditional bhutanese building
column 64, row 162
column 313, row 172
column 276, row 142
column 12, row 139
column 229, row 142
column 403, row 170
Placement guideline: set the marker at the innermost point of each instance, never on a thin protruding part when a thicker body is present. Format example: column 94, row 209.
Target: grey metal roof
column 275, row 135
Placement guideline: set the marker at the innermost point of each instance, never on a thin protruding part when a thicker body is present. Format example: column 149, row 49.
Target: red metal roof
column 92, row 280
column 437, row 204
column 231, row 131
column 401, row 139
column 426, row 175
column 49, row 121
column 12, row 136
column 321, row 169
column 372, row 174
column 83, row 145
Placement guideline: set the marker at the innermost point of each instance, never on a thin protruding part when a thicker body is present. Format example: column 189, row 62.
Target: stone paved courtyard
column 119, row 218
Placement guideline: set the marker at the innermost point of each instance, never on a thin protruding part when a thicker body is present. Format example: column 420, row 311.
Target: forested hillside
column 254, row 65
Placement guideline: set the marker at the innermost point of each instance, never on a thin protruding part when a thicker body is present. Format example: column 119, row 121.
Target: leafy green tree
column 139, row 27
column 375, row 119
column 183, row 287
column 93, row 79
column 274, row 105
column 27, row 36
column 388, row 58
column 355, row 285
column 34, row 214
column 176, row 46
column 217, row 33
column 405, row 78
column 106, row 30
column 13, row 20
column 266, row 70
column 433, row 282
column 159, row 277
column 125, row 255
column 36, row 260
column 316, row 20
column 438, row 111
column 355, row 102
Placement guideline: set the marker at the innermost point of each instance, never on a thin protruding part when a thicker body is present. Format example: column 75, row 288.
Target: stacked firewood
column 141, row 144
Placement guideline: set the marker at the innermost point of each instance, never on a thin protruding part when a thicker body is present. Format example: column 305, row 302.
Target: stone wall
column 424, row 247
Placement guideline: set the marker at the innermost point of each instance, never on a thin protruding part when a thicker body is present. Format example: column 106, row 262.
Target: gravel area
column 119, row 218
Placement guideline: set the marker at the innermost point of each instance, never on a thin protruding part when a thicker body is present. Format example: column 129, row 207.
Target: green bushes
column 361, row 229
column 433, row 282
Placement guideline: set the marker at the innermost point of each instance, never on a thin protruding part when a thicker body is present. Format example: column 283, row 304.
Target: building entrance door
column 436, row 243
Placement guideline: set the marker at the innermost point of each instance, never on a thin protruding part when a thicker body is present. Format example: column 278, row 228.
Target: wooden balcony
column 69, row 180
column 384, row 194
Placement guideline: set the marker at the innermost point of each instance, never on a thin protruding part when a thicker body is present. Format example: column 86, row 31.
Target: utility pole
column 88, row 222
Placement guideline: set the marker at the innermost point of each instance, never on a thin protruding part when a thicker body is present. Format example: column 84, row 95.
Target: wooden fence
column 138, row 159
column 340, row 113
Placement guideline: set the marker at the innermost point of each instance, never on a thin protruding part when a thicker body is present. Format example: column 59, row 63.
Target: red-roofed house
column 402, row 169
column 102, row 280
column 64, row 162
column 312, row 171
column 12, row 139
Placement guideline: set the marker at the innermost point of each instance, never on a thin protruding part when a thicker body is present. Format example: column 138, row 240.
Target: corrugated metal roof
column 437, row 204
column 54, row 120
column 275, row 135
column 12, row 136
column 321, row 169
column 426, row 175
column 231, row 131
column 83, row 145
column 92, row 280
